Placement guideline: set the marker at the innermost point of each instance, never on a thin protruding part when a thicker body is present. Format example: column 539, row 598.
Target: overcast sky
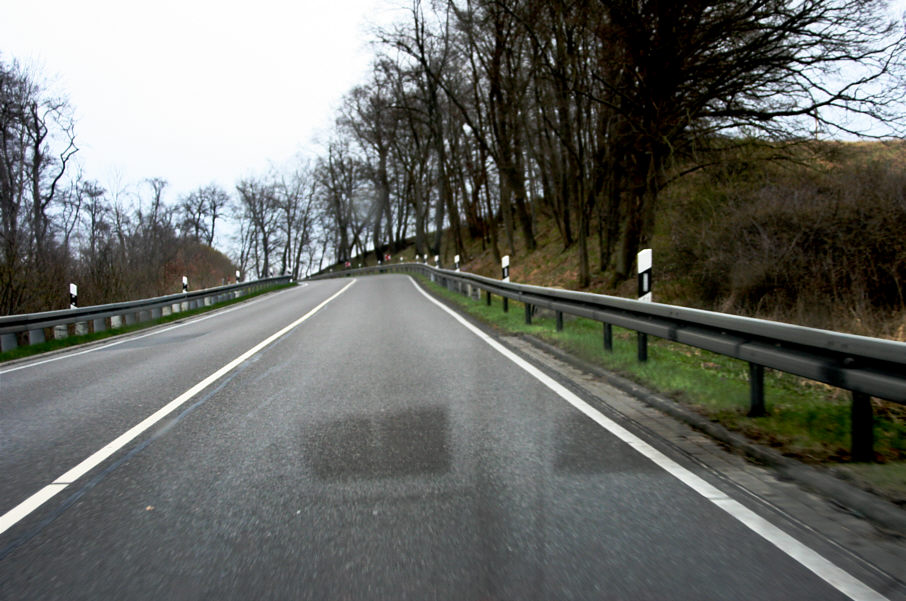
column 195, row 91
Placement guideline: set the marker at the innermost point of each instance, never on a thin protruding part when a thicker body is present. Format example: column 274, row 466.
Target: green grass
column 52, row 345
column 807, row 420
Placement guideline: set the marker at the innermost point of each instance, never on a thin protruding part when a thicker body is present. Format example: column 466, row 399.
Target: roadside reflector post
column 862, row 428
column 644, row 264
column 756, row 391
column 644, row 267
column 505, row 269
column 185, row 284
column 456, row 262
column 73, row 296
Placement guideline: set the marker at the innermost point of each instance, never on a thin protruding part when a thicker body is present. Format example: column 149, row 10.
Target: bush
column 821, row 245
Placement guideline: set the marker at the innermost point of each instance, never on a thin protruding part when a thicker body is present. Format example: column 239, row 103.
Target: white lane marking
column 811, row 559
column 14, row 515
column 139, row 337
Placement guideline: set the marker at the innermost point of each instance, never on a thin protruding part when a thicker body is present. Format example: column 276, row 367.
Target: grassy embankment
column 51, row 345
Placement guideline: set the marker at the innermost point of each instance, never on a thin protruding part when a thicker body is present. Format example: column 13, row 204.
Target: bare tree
column 37, row 143
column 692, row 70
column 200, row 210
column 259, row 207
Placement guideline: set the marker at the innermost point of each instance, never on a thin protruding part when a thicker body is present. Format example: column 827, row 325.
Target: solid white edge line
column 17, row 513
column 811, row 559
column 215, row 313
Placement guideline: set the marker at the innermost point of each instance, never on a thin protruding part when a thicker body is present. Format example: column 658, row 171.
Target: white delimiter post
column 73, row 296
column 185, row 284
column 456, row 262
column 644, row 262
column 505, row 267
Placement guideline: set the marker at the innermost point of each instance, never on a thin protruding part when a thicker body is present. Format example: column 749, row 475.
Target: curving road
column 355, row 440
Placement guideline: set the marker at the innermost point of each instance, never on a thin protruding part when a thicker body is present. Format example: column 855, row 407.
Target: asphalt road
column 379, row 449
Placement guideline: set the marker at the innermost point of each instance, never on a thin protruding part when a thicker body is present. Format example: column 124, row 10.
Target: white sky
column 195, row 91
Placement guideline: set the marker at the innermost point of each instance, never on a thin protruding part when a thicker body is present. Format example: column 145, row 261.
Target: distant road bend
column 356, row 439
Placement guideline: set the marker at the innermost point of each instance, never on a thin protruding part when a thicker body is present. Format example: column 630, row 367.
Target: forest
column 482, row 119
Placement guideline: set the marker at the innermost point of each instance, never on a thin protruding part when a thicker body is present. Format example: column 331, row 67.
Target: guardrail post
column 60, row 332
column 642, row 340
column 8, row 342
column 487, row 297
column 36, row 336
column 99, row 325
column 528, row 314
column 862, row 428
column 506, row 304
column 608, row 337
column 756, row 391
column 559, row 321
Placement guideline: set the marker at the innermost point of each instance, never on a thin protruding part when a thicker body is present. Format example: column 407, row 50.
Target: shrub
column 820, row 244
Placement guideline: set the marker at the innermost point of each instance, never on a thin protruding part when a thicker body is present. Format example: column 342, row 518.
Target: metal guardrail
column 867, row 367
column 30, row 327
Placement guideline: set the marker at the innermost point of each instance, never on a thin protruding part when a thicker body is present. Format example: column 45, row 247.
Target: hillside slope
column 817, row 239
